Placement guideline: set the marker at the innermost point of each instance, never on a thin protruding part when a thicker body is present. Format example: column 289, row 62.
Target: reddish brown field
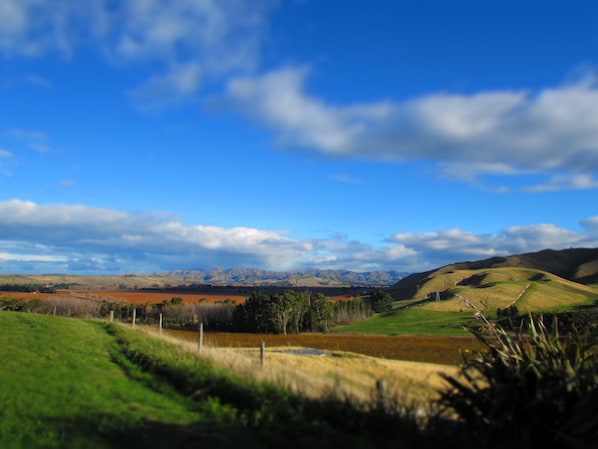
column 137, row 297
column 130, row 297
column 21, row 295
column 444, row 350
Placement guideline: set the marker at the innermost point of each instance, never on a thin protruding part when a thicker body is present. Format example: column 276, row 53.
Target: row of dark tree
column 295, row 312
column 27, row 288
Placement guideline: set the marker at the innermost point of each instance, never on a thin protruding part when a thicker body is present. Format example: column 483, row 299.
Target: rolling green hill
column 546, row 281
column 577, row 267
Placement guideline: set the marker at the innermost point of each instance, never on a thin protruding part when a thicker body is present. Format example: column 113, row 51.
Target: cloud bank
column 79, row 239
column 468, row 135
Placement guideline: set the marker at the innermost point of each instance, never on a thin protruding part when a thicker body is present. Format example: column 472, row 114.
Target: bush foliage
column 534, row 386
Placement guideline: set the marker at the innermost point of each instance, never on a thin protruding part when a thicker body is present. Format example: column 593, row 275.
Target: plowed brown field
column 444, row 350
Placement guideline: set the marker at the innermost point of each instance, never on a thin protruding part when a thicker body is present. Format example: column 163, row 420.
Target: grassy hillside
column 579, row 265
column 491, row 288
column 68, row 383
column 531, row 290
column 64, row 383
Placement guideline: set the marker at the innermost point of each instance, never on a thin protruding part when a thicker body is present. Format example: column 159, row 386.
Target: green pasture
column 412, row 321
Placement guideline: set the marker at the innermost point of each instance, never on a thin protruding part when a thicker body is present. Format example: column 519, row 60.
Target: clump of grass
column 533, row 386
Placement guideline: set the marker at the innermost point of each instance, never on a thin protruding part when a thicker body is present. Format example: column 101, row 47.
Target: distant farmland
column 144, row 297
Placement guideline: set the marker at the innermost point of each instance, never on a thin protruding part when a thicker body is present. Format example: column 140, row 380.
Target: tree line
column 285, row 312
column 295, row 312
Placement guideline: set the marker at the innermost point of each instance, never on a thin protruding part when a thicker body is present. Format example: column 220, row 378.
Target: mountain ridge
column 305, row 277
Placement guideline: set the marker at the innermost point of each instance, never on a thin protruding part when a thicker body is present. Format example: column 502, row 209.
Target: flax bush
column 533, row 386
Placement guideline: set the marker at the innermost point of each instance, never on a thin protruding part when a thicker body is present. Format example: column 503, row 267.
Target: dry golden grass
column 553, row 295
column 498, row 296
column 343, row 373
column 496, row 288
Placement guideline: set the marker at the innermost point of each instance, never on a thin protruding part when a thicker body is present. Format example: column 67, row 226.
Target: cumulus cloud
column 455, row 245
column 148, row 240
column 468, row 135
column 75, row 238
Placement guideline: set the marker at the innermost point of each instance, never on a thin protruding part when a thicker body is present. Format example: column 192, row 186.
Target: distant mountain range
column 307, row 277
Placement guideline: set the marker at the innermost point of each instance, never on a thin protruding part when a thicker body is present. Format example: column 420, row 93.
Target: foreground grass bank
column 64, row 384
column 68, row 383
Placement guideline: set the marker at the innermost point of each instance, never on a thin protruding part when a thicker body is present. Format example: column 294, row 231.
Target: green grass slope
column 67, row 383
column 64, row 383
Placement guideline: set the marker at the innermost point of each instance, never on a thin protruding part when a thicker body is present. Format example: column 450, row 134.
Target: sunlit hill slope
column 540, row 281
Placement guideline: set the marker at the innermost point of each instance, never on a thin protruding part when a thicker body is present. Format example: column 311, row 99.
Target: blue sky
column 147, row 135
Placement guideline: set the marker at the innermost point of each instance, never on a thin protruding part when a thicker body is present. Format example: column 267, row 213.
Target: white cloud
column 566, row 182
column 434, row 249
column 13, row 24
column 494, row 132
column 73, row 238
column 11, row 257
column 278, row 100
column 590, row 223
column 216, row 36
column 149, row 239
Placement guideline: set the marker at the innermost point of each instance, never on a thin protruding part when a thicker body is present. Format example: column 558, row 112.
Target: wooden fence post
column 54, row 312
column 160, row 323
column 112, row 316
column 263, row 354
column 382, row 393
column 134, row 316
column 200, row 338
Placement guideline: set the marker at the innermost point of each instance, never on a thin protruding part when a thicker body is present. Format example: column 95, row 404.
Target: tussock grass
column 535, row 386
